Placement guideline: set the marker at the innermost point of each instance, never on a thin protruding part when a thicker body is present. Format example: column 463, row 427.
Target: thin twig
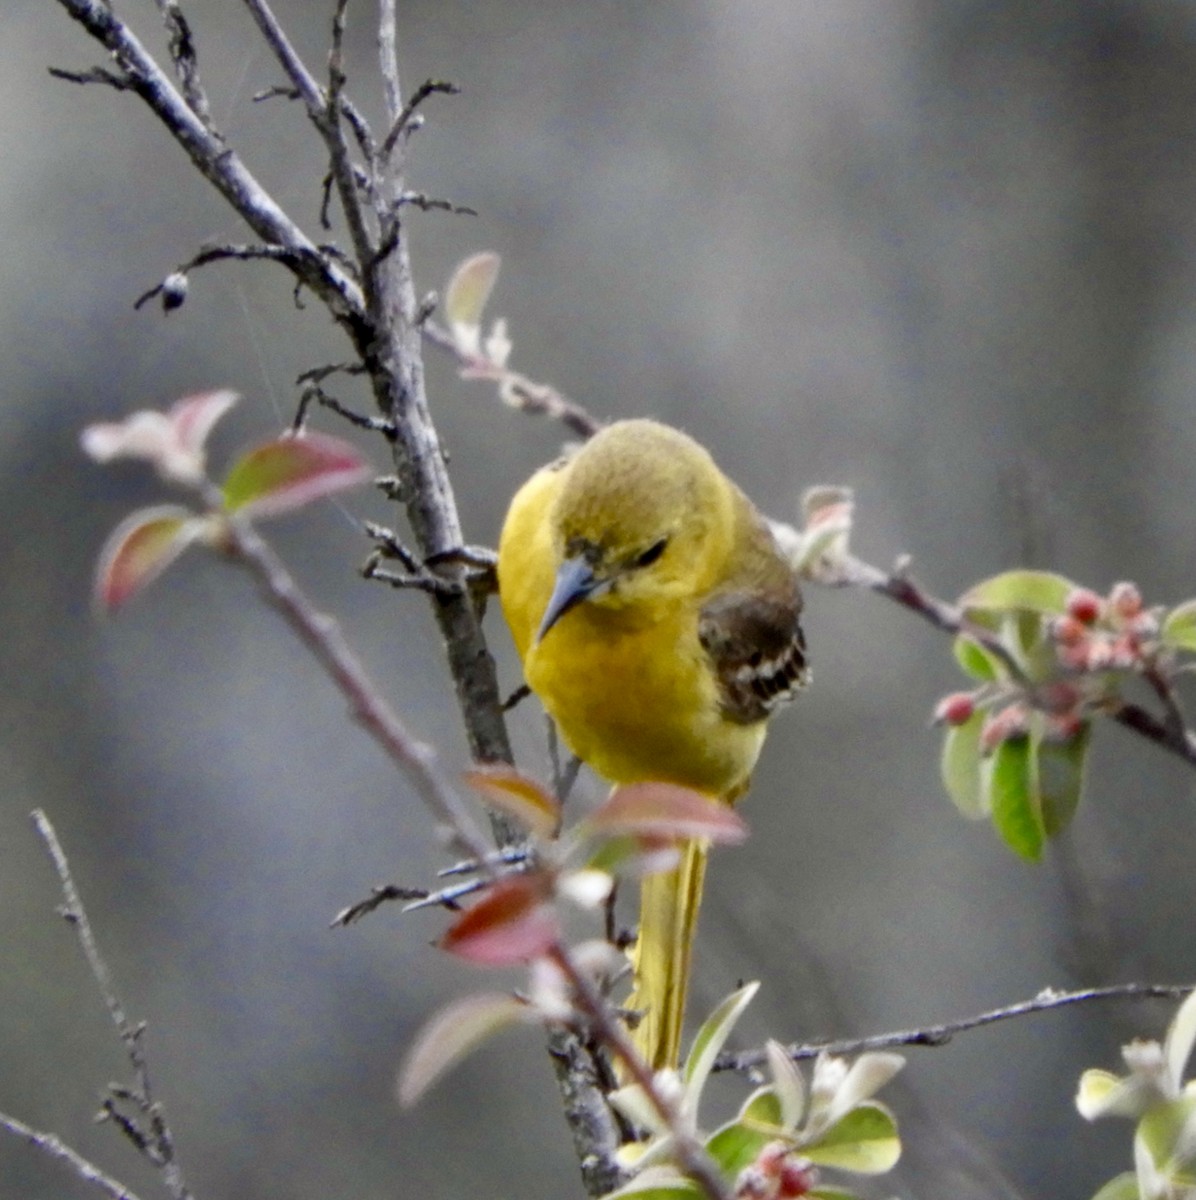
column 185, row 59
column 447, row 897
column 938, row 1035
column 336, row 92
column 536, row 399
column 899, row 586
column 211, row 254
column 75, row 914
column 156, row 1142
column 53, row 1146
column 402, row 124
column 1181, row 743
column 1173, row 713
column 313, row 391
column 93, row 75
column 509, row 856
column 383, row 894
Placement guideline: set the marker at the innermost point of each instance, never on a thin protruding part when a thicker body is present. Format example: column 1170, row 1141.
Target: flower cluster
column 1047, row 658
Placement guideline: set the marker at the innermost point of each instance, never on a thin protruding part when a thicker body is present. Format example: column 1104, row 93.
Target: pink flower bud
column 1075, row 658
column 1125, row 600
column 1085, row 605
column 1011, row 721
column 799, row 1177
column 955, row 709
column 1125, row 652
column 1069, row 630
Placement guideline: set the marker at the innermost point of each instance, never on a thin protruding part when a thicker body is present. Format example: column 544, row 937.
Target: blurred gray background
column 940, row 251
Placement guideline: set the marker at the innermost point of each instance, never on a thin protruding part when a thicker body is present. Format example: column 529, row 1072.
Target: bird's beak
column 574, row 582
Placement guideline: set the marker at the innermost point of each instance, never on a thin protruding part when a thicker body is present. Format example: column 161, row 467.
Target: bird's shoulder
column 750, row 626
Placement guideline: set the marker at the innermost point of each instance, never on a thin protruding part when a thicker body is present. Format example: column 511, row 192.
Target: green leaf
column 1103, row 1094
column 736, row 1145
column 788, row 1083
column 1179, row 627
column 865, row 1141
column 1121, row 1187
column 1059, row 777
column 974, row 660
column 451, row 1034
column 614, row 855
column 1181, row 1034
column 469, row 289
column 1033, row 591
column 763, row 1107
column 290, row 472
column 961, row 766
column 710, row 1038
column 831, row 1193
column 660, row 1183
column 633, row 1103
column 1163, row 1129
column 1027, row 635
column 140, row 548
column 865, row 1077
column 1009, row 788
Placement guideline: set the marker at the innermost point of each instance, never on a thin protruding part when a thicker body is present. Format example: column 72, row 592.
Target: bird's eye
column 652, row 553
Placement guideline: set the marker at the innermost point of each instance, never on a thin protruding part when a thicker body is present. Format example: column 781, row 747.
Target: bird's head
column 643, row 516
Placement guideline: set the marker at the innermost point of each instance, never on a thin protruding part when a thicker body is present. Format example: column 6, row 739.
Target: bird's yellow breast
column 636, row 700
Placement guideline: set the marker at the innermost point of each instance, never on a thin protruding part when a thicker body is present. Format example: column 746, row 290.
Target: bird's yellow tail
column 668, row 916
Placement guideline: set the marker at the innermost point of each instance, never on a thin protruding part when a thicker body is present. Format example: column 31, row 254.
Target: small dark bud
column 174, row 291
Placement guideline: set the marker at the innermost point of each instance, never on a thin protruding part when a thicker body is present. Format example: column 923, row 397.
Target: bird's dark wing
column 756, row 648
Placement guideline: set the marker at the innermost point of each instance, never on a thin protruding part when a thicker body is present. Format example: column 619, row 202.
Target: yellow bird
column 657, row 622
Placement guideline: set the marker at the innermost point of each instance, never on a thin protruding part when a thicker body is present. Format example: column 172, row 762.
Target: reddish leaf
column 173, row 441
column 517, row 796
column 666, row 810
column 290, row 472
column 451, row 1034
column 140, row 548
column 511, row 923
column 193, row 417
